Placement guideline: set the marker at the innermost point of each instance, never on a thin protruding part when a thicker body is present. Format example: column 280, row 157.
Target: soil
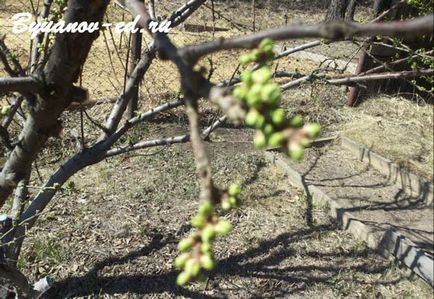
column 116, row 236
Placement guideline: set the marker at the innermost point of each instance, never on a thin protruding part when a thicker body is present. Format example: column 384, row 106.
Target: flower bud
column 234, row 190
column 305, row 142
column 255, row 119
column 271, row 94
column 313, row 130
column 246, row 77
column 240, row 92
column 296, row 121
column 208, row 234
column 254, row 96
column 245, row 59
column 296, row 151
column 183, row 278
column 205, row 248
column 223, row 227
column 260, row 140
column 233, row 201
column 268, row 129
column 226, row 205
column 262, row 76
column 276, row 139
column 206, row 208
column 181, row 260
column 186, row 244
column 255, row 55
column 207, row 262
column 198, row 221
column 266, row 43
column 192, row 266
column 278, row 116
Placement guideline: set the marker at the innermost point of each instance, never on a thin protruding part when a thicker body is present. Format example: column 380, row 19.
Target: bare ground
column 116, row 236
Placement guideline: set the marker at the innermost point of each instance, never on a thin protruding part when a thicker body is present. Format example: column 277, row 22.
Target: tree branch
column 20, row 84
column 5, row 53
column 330, row 31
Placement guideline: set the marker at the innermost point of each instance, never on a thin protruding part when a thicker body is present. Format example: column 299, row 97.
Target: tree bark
column 336, row 10
column 350, row 11
column 68, row 54
column 136, row 48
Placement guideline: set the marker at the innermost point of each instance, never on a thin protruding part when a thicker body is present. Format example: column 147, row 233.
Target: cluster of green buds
column 261, row 99
column 197, row 249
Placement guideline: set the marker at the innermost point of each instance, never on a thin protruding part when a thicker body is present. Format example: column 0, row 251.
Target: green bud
column 198, row 221
column 254, row 96
column 207, row 262
column 234, row 190
column 305, row 142
column 296, row 152
column 255, row 55
column 186, row 244
column 206, row 208
column 223, row 227
column 181, row 260
column 245, row 59
column 268, row 129
column 271, row 94
column 260, row 141
column 313, row 130
column 276, row 139
column 296, row 121
column 278, row 116
column 246, row 77
column 208, row 234
column 192, row 266
column 233, row 201
column 226, row 205
column 205, row 248
column 240, row 92
column 255, row 119
column 262, row 76
column 268, row 49
column 265, row 43
column 183, row 278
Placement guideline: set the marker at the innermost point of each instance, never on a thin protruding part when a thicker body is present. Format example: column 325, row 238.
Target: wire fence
column 105, row 71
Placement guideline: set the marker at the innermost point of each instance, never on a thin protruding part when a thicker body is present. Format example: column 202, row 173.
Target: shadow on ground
column 301, row 278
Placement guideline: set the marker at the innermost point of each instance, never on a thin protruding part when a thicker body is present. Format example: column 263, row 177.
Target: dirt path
column 367, row 194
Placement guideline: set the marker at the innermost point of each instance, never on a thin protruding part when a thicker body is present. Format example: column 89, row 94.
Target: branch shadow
column 244, row 265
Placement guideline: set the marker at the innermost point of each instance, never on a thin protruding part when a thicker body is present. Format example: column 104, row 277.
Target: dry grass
column 396, row 128
column 116, row 236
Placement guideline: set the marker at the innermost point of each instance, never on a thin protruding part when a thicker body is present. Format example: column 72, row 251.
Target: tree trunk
column 336, row 10
column 351, row 9
column 136, row 53
column 63, row 67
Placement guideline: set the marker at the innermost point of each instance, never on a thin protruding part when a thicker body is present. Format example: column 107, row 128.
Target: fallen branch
column 383, row 76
